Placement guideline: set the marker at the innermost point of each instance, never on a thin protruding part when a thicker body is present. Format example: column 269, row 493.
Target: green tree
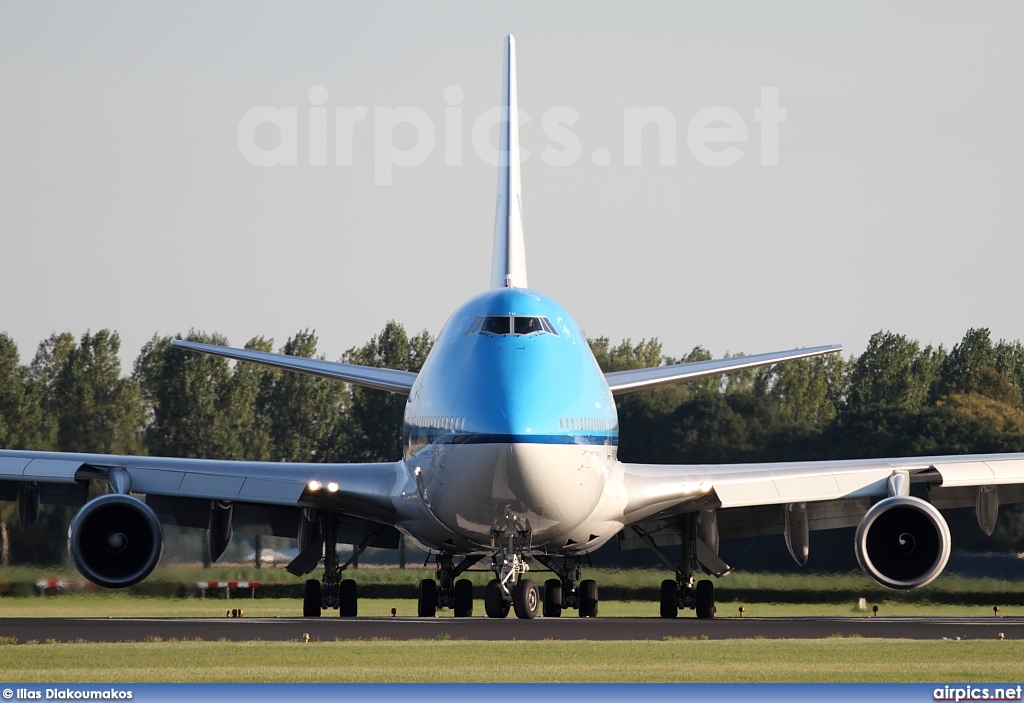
column 187, row 398
column 373, row 425
column 715, row 428
column 250, row 387
column 808, row 392
column 1009, row 361
column 966, row 361
column 626, row 355
column 97, row 410
column 12, row 394
column 894, row 372
column 40, row 388
column 304, row 411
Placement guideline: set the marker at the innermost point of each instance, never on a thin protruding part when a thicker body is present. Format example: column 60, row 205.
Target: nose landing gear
column 509, row 590
column 509, row 564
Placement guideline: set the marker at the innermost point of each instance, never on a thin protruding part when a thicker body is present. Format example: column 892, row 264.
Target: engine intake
column 115, row 540
column 902, row 543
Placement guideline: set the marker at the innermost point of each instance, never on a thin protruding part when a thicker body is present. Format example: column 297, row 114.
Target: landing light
column 332, row 487
column 315, row 485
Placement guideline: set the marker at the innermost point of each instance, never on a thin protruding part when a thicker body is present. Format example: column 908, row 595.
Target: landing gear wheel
column 494, row 602
column 526, row 599
column 427, row 598
column 311, row 604
column 588, row 598
column 348, row 603
column 705, row 600
column 463, row 598
column 669, row 598
column 552, row 598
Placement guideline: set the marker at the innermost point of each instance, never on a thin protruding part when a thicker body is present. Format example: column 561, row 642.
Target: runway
column 479, row 628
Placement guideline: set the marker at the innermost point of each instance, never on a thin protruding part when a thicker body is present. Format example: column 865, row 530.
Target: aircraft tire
column 669, row 598
column 463, row 598
column 311, row 599
column 427, row 598
column 588, row 598
column 526, row 599
column 552, row 598
column 348, row 599
column 494, row 604
column 705, row 600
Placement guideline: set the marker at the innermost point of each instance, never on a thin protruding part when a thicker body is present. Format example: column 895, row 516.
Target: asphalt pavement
column 480, row 628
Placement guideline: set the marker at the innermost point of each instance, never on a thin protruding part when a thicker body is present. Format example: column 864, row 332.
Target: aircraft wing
column 952, row 482
column 369, row 376
column 638, row 379
column 181, row 491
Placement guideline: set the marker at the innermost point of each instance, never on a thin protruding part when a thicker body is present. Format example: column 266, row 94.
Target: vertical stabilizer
column 508, row 268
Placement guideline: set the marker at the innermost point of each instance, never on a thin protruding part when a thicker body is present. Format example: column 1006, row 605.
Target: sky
column 132, row 195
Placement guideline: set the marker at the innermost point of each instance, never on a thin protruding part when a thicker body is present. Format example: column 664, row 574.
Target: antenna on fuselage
column 508, row 267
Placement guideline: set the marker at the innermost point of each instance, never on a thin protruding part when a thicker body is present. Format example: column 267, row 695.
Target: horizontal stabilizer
column 369, row 376
column 637, row 379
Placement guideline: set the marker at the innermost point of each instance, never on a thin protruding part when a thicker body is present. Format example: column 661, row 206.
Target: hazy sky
column 127, row 203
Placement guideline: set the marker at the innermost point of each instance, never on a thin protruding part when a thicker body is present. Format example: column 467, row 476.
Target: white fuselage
column 511, row 429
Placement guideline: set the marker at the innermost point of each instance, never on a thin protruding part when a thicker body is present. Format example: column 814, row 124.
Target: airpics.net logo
column 716, row 136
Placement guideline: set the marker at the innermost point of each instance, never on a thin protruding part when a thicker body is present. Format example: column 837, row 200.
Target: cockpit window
column 495, row 325
column 512, row 324
column 526, row 325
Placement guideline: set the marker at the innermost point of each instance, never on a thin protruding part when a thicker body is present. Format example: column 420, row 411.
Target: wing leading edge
column 360, row 490
column 638, row 379
column 655, row 488
column 369, row 376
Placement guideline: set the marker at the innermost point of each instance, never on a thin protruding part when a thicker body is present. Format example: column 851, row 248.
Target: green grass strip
column 828, row 660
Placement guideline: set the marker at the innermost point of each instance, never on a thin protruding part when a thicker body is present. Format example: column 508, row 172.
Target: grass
column 439, row 660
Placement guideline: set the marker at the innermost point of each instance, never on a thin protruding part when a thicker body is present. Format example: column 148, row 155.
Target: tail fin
column 508, row 267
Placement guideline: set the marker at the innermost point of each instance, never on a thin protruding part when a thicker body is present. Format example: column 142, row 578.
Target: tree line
column 898, row 398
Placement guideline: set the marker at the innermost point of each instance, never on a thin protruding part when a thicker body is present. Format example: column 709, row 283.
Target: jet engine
column 902, row 542
column 115, row 540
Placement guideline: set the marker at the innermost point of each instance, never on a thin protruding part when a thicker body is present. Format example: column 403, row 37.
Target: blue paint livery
column 535, row 389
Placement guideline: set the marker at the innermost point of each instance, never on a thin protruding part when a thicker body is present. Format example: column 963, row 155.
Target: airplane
column 510, row 459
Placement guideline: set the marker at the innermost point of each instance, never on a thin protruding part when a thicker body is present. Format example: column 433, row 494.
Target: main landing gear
column 334, row 591
column 699, row 596
column 684, row 591
column 568, row 591
column 444, row 591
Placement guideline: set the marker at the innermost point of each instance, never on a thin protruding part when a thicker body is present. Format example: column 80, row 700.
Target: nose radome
column 526, row 474
column 558, row 479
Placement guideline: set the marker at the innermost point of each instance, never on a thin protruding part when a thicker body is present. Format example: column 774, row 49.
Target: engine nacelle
column 902, row 543
column 115, row 540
